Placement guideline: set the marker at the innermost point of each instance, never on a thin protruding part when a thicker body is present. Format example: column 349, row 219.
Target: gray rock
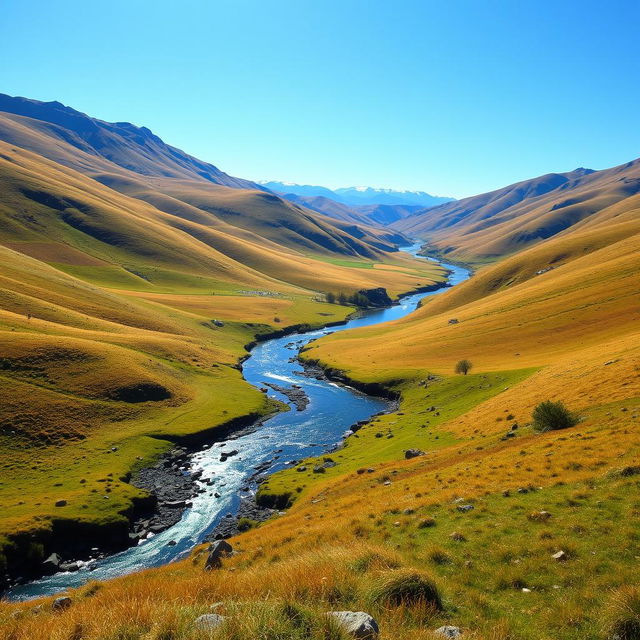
column 218, row 550
column 465, row 507
column 448, row 631
column 51, row 564
column 357, row 624
column 60, row 604
column 413, row 453
column 208, row 622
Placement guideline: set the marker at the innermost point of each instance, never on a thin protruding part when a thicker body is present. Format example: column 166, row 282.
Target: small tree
column 549, row 416
column 463, row 366
column 342, row 298
column 331, row 297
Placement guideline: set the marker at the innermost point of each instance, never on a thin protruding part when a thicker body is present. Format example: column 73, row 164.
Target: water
column 332, row 409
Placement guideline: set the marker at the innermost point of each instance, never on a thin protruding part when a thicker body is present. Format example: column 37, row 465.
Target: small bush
column 551, row 416
column 405, row 588
column 244, row 524
column 621, row 616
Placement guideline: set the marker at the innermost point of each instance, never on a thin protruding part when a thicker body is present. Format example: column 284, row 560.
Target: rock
column 318, row 469
column 448, row 631
column 357, row 624
column 560, row 556
column 413, row 453
column 60, row 604
column 539, row 516
column 175, row 504
column 69, row 566
column 51, row 564
column 208, row 622
column 302, row 468
column 61, row 503
column 171, row 543
column 458, row 537
column 463, row 508
column 453, row 321
column 219, row 549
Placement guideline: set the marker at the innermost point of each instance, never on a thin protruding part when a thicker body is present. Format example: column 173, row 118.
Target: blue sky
column 452, row 97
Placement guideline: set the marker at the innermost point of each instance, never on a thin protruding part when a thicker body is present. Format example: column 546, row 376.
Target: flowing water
column 293, row 435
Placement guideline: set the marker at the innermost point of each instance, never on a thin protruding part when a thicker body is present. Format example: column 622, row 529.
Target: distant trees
column 355, row 299
column 550, row 416
column 463, row 366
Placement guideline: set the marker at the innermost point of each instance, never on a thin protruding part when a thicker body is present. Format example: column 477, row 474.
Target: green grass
column 505, row 551
column 413, row 426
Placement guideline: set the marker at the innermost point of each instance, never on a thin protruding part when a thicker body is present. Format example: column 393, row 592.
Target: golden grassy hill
column 485, row 227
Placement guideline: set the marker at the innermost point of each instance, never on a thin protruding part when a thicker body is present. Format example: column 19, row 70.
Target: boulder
column 51, row 564
column 560, row 556
column 448, row 631
column 208, row 622
column 357, row 624
column 463, row 508
column 413, row 453
column 61, row 503
column 218, row 550
column 60, row 604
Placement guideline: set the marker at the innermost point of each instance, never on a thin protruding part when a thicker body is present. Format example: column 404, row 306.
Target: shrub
column 550, row 416
column 621, row 617
column 463, row 366
column 405, row 587
column 244, row 524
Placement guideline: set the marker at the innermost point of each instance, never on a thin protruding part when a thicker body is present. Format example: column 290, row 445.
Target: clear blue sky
column 452, row 97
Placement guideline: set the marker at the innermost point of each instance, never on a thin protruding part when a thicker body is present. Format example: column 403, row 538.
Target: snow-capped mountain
column 359, row 195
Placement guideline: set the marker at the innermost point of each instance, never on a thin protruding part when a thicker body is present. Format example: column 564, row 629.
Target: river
column 287, row 436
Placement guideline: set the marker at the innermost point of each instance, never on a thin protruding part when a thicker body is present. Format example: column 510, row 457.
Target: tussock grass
column 621, row 615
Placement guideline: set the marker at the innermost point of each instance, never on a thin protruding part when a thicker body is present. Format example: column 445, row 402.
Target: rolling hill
column 485, row 227
column 133, row 148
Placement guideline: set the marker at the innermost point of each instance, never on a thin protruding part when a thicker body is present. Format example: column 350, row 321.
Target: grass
column 387, row 437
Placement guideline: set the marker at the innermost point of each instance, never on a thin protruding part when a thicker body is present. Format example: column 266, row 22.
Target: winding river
column 288, row 436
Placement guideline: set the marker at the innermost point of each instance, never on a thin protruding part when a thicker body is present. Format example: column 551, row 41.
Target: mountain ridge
column 358, row 195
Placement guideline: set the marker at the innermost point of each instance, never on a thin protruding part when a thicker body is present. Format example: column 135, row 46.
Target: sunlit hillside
column 485, row 227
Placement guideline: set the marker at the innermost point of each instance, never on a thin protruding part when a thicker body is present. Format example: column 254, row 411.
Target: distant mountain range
column 355, row 196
